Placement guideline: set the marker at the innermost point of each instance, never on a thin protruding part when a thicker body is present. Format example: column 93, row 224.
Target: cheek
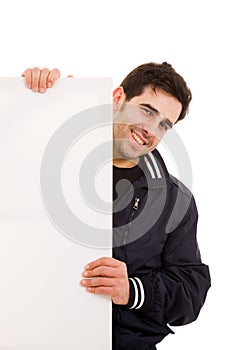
column 155, row 143
column 116, row 130
column 120, row 130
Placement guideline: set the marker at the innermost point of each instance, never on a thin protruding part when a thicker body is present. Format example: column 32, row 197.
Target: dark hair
column 161, row 76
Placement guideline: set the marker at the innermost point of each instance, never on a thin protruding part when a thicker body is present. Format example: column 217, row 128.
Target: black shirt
column 130, row 174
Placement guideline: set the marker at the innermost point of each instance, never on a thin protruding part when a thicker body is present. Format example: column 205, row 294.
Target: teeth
column 137, row 139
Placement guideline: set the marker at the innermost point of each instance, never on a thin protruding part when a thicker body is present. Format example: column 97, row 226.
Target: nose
column 142, row 129
column 152, row 129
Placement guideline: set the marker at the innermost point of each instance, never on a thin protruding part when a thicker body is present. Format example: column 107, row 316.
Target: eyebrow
column 166, row 120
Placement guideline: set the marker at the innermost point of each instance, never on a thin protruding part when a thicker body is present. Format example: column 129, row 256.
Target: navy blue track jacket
column 155, row 223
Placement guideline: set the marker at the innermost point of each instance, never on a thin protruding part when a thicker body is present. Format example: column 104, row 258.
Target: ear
column 118, row 98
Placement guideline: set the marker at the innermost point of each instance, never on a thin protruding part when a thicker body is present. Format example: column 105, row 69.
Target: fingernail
column 85, row 273
column 86, row 267
column 42, row 90
column 49, row 85
column 35, row 89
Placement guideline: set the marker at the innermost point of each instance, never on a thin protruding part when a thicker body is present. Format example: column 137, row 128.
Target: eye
column 147, row 111
column 164, row 126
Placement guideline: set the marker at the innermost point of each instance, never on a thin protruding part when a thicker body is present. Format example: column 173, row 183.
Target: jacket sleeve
column 175, row 293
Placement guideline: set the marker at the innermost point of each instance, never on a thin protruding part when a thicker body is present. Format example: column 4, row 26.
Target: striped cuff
column 137, row 293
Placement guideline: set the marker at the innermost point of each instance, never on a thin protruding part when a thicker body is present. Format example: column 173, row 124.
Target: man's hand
column 40, row 79
column 107, row 276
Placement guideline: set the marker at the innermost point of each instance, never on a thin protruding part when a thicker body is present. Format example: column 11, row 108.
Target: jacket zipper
column 135, row 208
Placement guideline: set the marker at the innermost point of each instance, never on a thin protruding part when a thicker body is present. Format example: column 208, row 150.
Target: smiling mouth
column 137, row 138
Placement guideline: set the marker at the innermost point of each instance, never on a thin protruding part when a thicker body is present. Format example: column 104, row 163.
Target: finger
column 102, row 271
column 100, row 290
column 104, row 261
column 97, row 282
column 53, row 76
column 43, row 80
column 35, row 79
column 27, row 74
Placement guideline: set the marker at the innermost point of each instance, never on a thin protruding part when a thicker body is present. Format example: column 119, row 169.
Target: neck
column 125, row 163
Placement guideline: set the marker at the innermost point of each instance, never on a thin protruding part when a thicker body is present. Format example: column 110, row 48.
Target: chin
column 133, row 156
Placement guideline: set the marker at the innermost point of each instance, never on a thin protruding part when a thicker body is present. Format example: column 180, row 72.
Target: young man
column 156, row 277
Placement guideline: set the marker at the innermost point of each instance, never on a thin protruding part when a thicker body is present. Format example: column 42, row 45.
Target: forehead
column 167, row 105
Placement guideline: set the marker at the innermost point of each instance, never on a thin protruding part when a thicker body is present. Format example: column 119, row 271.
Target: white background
column 106, row 38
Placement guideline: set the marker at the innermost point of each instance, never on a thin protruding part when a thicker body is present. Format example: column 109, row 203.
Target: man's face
column 140, row 123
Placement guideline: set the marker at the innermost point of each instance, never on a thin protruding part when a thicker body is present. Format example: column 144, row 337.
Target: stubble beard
column 122, row 149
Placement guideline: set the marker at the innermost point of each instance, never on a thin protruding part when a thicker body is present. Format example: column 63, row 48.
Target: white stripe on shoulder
column 155, row 165
column 136, row 294
column 142, row 292
column 149, row 167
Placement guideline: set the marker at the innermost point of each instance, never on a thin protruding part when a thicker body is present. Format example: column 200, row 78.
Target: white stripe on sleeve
column 142, row 292
column 136, row 294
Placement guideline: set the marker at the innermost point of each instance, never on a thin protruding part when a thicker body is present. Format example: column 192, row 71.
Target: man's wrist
column 136, row 294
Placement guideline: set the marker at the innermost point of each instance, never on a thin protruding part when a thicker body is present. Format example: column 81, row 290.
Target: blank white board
column 42, row 305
